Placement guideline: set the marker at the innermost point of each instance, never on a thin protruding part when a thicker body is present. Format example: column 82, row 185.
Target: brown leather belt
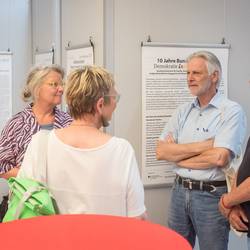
column 209, row 186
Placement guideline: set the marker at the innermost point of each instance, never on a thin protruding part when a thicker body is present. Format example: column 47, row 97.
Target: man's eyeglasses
column 55, row 85
column 116, row 97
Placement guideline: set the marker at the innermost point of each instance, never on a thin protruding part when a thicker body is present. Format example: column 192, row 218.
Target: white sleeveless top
column 101, row 180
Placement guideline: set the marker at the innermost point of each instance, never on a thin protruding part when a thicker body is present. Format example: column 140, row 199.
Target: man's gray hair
column 213, row 63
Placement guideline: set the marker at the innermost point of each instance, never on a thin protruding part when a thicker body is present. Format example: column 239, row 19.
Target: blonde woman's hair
column 84, row 87
column 35, row 79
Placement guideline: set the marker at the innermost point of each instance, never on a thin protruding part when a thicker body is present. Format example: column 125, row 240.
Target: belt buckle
column 213, row 188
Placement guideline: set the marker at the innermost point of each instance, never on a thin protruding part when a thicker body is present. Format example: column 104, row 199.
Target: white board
column 79, row 57
column 44, row 58
column 5, row 87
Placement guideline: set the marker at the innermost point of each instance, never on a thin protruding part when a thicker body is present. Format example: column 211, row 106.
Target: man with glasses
column 200, row 139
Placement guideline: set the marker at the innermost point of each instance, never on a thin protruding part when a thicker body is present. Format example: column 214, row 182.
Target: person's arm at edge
column 238, row 194
column 237, row 217
column 8, row 165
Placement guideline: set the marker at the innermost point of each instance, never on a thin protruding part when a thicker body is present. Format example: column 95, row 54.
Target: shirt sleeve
column 232, row 132
column 7, row 146
column 135, row 194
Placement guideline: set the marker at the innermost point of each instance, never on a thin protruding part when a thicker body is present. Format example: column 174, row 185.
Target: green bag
column 30, row 197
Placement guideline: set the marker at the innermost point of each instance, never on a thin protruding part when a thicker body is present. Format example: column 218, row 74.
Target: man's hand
column 170, row 138
column 162, row 146
column 237, row 218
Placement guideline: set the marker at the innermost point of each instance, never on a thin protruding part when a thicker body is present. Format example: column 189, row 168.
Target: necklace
column 83, row 125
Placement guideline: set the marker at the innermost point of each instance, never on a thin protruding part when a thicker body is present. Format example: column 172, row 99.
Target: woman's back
column 99, row 180
column 88, row 170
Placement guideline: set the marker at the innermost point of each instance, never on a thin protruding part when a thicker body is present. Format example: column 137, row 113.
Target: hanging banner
column 164, row 88
column 44, row 58
column 79, row 57
column 5, row 88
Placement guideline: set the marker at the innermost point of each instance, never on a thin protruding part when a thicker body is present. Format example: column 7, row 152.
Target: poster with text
column 164, row 88
column 44, row 58
column 79, row 57
column 5, row 88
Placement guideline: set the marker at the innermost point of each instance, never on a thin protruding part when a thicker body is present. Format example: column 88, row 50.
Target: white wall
column 118, row 27
column 59, row 22
column 172, row 21
column 82, row 19
column 15, row 30
column 46, row 27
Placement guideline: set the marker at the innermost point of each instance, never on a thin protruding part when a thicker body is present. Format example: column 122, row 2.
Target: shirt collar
column 215, row 101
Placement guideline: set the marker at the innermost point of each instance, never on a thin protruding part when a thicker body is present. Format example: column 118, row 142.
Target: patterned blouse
column 17, row 134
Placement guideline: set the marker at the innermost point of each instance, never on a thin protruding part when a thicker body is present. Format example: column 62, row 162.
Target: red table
column 90, row 232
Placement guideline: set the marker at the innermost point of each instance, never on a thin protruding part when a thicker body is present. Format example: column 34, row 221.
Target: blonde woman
column 43, row 89
column 90, row 171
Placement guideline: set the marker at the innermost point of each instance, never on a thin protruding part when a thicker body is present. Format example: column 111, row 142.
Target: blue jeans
column 195, row 213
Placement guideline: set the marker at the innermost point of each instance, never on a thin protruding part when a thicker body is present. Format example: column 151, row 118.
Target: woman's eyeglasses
column 55, row 85
column 116, row 97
